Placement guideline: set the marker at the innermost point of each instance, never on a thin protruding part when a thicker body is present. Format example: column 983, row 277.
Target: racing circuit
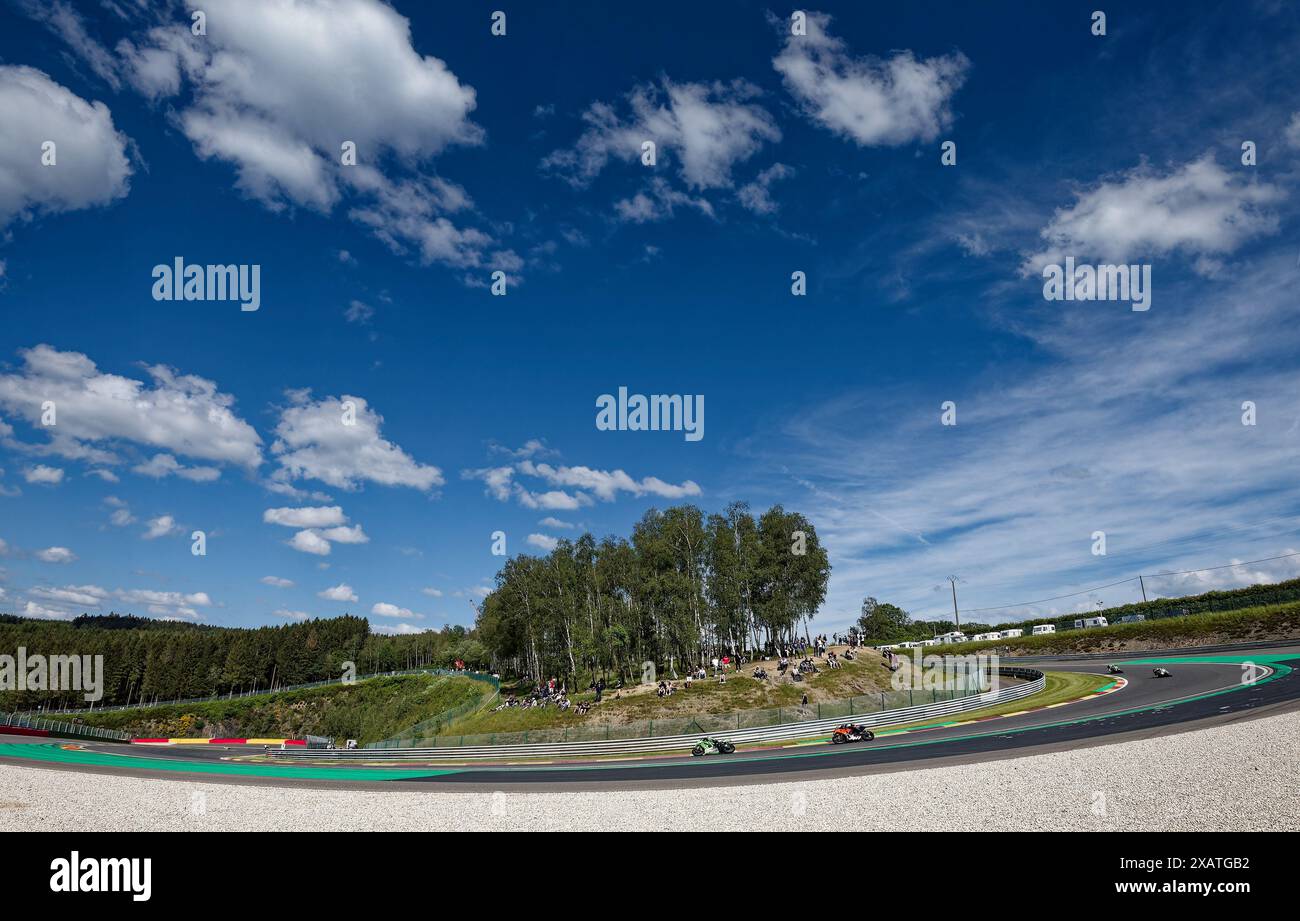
column 1204, row 689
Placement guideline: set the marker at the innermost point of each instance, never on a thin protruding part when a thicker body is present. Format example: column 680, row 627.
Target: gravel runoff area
column 1238, row 777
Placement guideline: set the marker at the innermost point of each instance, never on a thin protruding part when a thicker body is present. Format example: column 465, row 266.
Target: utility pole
column 956, row 616
column 1144, row 588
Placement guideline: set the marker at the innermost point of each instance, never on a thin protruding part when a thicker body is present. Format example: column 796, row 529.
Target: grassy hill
column 866, row 675
column 1262, row 623
column 368, row 711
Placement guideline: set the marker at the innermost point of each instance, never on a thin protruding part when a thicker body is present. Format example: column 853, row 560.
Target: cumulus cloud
column 872, row 101
column 43, row 475
column 258, row 103
column 582, row 483
column 338, row 441
column 320, row 517
column 384, row 609
column 55, row 555
column 161, row 466
column 543, row 541
column 62, row 603
column 292, row 615
column 757, row 195
column 276, row 582
column 92, row 168
column 162, row 526
column 358, row 312
column 1199, row 210
column 556, row 523
column 706, row 128
column 340, row 592
column 310, row 542
column 121, row 515
column 659, row 201
column 183, row 414
column 432, row 592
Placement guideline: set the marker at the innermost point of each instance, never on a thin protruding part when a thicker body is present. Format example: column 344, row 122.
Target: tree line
column 148, row 660
column 687, row 587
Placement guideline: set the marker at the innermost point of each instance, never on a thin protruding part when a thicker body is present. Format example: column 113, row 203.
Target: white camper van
column 955, row 637
column 1012, row 634
column 1041, row 629
column 1086, row 622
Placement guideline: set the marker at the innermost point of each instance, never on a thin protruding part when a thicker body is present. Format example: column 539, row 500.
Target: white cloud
column 55, row 555
column 162, row 526
column 310, row 542
column 658, row 202
column 757, row 195
column 121, row 516
column 359, row 312
column 70, row 600
column 320, row 517
column 314, row 441
column 340, row 592
column 556, row 523
column 92, row 166
column 604, row 484
column 182, row 414
column 432, row 592
column 872, row 101
column 292, row 615
column 706, row 128
column 276, row 582
column 259, row 104
column 45, row 476
column 384, row 609
column 1008, row 498
column 1292, row 133
column 161, row 466
column 1199, row 210
column 346, row 535
column 543, row 541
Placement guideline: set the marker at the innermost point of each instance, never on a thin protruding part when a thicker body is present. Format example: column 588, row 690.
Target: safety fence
column 733, row 721
column 1154, row 653
column 264, row 692
column 408, row 737
column 21, row 724
column 1033, row 682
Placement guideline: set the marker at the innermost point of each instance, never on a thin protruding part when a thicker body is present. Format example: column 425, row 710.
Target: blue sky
column 777, row 153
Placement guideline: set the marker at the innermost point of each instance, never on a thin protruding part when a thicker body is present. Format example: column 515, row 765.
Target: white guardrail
column 1034, row 682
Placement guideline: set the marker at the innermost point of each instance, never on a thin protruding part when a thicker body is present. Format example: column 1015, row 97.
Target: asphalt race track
column 1204, row 690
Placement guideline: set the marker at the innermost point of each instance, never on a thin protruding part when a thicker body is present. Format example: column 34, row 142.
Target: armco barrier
column 36, row 726
column 1151, row 653
column 1035, row 680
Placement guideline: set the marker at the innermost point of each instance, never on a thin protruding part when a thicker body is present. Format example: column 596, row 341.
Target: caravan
column 1085, row 623
column 1044, row 629
column 1012, row 634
